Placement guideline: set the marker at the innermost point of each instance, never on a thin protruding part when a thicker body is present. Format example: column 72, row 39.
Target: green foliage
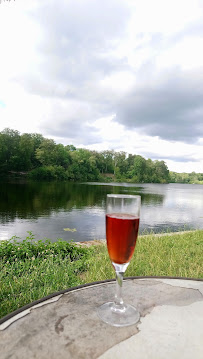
column 9, row 149
column 196, row 178
column 13, row 249
column 17, row 151
column 48, row 173
column 43, row 159
column 32, row 269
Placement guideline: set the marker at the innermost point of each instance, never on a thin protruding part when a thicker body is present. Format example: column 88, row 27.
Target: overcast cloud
column 112, row 74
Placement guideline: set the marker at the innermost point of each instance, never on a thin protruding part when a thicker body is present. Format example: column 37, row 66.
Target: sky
column 123, row 75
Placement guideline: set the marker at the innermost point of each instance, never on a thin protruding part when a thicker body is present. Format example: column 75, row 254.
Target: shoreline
column 103, row 241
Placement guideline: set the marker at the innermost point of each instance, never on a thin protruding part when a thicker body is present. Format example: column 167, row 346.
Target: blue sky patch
column 2, row 104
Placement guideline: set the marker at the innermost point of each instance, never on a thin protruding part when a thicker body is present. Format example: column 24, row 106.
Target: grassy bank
column 175, row 255
column 30, row 270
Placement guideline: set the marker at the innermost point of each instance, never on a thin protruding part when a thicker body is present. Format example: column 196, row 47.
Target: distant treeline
column 41, row 158
column 193, row 177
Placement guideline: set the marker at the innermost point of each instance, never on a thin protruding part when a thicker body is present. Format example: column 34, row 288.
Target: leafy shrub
column 31, row 269
column 11, row 250
column 48, row 173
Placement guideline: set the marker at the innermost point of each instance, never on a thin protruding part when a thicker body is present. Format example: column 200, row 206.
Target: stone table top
column 65, row 325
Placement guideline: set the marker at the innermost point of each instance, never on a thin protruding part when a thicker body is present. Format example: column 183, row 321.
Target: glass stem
column 118, row 300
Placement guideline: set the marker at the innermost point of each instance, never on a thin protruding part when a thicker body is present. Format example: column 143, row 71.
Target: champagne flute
column 122, row 224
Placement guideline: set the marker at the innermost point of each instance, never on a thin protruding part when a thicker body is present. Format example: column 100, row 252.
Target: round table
column 65, row 324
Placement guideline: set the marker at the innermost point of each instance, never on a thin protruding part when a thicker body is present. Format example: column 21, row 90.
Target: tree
column 9, row 149
column 45, row 152
column 149, row 173
column 99, row 161
column 161, row 171
column 83, row 165
column 37, row 140
column 108, row 159
column 62, row 156
column 49, row 160
column 26, row 149
column 139, row 168
column 70, row 148
column 120, row 162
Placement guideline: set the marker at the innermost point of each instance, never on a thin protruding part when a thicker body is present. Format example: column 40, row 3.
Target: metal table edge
column 52, row 295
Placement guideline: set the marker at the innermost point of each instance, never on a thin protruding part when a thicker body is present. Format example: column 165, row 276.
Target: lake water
column 73, row 211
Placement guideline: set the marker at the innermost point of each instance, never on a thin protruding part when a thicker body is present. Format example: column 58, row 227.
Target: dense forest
column 39, row 158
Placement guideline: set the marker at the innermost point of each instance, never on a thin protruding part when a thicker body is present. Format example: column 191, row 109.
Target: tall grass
column 175, row 255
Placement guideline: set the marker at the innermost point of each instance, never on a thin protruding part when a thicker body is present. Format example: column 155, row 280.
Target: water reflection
column 31, row 200
column 48, row 208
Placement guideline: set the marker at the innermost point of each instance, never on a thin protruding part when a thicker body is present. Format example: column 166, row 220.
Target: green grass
column 31, row 269
column 176, row 255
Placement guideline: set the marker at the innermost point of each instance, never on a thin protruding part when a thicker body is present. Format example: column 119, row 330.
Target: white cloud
column 186, row 54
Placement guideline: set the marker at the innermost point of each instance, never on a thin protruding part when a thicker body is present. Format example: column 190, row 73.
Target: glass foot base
column 116, row 317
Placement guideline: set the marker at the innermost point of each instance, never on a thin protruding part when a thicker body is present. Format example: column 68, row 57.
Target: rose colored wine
column 121, row 235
